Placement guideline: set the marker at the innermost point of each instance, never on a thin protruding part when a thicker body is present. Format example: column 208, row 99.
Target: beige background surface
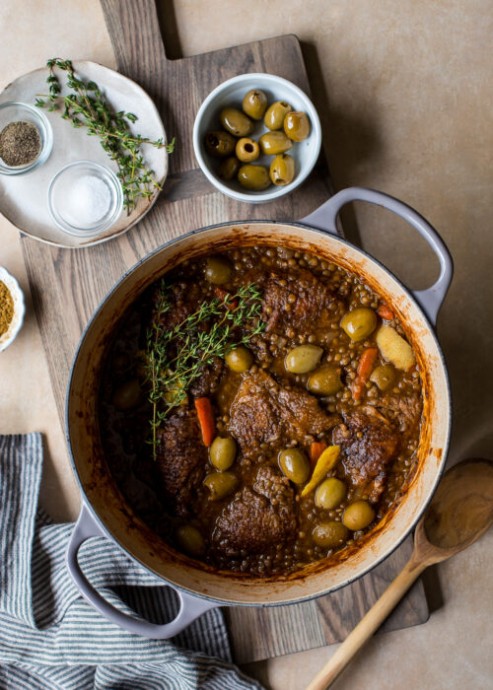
column 404, row 91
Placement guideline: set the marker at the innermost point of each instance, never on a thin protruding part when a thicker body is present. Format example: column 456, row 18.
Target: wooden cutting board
column 67, row 285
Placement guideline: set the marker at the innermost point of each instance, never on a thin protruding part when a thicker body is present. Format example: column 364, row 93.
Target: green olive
column 127, row 395
column 273, row 143
column 217, row 271
column 219, row 144
column 358, row 515
column 176, row 395
column 239, row 360
column 222, row 453
column 190, row 540
column 235, row 122
column 254, row 177
column 330, row 493
column 282, row 169
column 302, row 359
column 247, row 150
column 220, row 484
column 383, row 376
column 254, row 104
column 294, row 465
column 329, row 534
column 326, row 380
column 359, row 323
column 296, row 126
column 228, row 168
column 275, row 114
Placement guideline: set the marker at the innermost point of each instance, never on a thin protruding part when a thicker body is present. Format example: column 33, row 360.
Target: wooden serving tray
column 67, row 285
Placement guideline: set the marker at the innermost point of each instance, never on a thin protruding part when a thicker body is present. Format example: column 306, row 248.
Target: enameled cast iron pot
column 104, row 511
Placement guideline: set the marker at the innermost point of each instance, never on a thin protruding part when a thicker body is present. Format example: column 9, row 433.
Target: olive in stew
column 261, row 409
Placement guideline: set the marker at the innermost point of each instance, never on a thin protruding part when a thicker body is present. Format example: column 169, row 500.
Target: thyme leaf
column 176, row 357
column 86, row 106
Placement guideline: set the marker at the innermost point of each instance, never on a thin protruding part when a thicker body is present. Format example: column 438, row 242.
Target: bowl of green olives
column 257, row 137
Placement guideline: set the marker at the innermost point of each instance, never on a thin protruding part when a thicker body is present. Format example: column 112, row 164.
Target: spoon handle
column 370, row 622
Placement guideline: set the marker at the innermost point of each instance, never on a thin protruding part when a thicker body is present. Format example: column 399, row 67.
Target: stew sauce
column 261, row 409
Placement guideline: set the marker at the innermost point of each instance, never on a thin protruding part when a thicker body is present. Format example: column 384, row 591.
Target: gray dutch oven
column 104, row 512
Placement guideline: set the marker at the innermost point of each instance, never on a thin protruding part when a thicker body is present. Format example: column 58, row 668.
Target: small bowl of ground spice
column 26, row 138
column 11, row 308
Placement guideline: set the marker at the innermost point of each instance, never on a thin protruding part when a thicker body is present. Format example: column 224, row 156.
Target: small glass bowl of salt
column 85, row 198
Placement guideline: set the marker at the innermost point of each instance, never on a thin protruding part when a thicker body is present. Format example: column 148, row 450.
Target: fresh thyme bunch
column 176, row 357
column 86, row 106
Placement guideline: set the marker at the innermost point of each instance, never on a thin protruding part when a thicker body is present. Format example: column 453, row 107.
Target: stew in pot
column 261, row 409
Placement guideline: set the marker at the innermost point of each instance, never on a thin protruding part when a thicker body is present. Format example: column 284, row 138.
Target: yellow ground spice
column 6, row 308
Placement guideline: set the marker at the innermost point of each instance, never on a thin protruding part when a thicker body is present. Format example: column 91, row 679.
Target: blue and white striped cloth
column 51, row 639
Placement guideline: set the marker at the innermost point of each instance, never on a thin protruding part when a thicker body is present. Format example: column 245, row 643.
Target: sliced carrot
column 220, row 292
column 223, row 295
column 327, row 461
column 385, row 312
column 366, row 362
column 365, row 367
column 316, row 450
column 206, row 420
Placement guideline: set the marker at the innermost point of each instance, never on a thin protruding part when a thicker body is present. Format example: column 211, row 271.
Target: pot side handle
column 325, row 218
column 190, row 607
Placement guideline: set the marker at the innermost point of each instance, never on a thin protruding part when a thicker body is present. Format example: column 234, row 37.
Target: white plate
column 24, row 198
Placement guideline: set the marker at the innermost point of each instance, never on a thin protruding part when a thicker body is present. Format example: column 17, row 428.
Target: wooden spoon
column 460, row 512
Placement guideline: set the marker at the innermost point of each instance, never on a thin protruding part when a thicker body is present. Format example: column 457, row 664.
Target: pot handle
column 190, row 607
column 325, row 218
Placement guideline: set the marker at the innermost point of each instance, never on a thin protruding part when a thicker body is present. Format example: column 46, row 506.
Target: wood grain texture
column 67, row 285
column 286, row 629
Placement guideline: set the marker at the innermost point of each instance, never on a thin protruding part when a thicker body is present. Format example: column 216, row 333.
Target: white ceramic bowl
column 231, row 93
column 18, row 298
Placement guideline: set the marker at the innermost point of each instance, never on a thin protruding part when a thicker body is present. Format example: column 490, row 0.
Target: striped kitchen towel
column 51, row 639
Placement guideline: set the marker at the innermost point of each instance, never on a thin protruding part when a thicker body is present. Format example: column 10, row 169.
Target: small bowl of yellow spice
column 11, row 308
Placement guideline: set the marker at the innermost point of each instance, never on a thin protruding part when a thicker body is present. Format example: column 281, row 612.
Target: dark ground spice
column 20, row 143
column 6, row 308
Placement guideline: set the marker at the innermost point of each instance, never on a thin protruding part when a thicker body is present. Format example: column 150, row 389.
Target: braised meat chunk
column 173, row 304
column 403, row 410
column 265, row 412
column 181, row 459
column 209, row 380
column 368, row 443
column 300, row 302
column 258, row 518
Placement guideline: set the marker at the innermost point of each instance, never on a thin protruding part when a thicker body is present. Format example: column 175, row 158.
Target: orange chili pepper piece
column 365, row 367
column 207, row 422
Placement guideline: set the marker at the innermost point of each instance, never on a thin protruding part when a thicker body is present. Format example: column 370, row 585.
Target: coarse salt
column 86, row 201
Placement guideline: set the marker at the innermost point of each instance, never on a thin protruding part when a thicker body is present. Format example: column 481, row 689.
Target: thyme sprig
column 86, row 106
column 176, row 357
